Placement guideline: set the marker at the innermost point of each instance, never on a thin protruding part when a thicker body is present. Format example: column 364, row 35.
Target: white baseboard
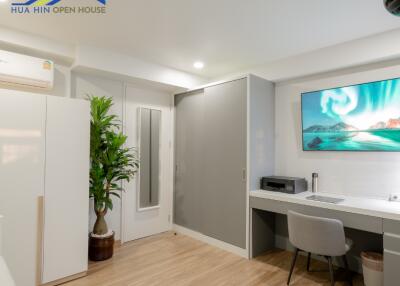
column 212, row 241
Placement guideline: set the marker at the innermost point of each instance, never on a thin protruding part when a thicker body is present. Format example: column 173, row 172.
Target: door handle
column 40, row 233
column 244, row 174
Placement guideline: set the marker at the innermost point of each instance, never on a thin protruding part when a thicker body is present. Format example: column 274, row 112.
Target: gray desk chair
column 321, row 236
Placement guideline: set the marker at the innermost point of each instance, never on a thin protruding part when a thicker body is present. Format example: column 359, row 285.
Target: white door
column 22, row 161
column 66, row 211
column 141, row 221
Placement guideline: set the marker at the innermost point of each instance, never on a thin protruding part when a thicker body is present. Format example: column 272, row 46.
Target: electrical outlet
column 395, row 197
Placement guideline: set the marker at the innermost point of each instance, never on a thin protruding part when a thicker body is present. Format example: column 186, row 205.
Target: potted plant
column 110, row 164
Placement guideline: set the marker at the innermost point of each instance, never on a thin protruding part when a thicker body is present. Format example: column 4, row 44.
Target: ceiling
column 228, row 35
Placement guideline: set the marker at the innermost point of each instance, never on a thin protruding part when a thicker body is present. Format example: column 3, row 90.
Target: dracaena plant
column 111, row 162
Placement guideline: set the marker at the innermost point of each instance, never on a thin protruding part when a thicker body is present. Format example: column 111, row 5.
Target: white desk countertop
column 365, row 206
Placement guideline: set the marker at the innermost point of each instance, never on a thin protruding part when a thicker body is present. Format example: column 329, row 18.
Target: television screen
column 364, row 117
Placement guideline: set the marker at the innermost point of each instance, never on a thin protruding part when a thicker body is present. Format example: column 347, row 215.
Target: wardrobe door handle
column 244, row 175
column 40, row 233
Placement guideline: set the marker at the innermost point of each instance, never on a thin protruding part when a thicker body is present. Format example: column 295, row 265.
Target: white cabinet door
column 66, row 203
column 22, row 147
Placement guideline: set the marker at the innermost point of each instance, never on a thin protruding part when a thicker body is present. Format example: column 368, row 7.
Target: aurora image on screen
column 363, row 117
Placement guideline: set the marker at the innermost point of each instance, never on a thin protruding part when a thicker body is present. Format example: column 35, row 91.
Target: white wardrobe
column 44, row 182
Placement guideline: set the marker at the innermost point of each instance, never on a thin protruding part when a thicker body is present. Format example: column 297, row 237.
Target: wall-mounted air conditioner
column 25, row 71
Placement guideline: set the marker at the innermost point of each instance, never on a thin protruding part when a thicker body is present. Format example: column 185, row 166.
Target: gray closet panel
column 189, row 160
column 224, row 193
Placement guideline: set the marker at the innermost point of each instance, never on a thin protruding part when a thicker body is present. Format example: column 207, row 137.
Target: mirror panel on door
column 149, row 148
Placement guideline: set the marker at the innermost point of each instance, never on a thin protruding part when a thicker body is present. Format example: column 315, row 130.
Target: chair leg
column 346, row 265
column 331, row 271
column 308, row 261
column 296, row 252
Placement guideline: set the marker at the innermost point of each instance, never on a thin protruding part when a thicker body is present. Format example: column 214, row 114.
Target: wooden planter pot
column 101, row 248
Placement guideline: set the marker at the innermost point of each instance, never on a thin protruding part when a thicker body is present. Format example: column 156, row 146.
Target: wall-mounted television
column 363, row 117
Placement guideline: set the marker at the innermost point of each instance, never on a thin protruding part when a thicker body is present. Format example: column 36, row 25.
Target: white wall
column 25, row 43
column 373, row 49
column 102, row 60
column 62, row 81
column 262, row 120
column 96, row 60
column 372, row 174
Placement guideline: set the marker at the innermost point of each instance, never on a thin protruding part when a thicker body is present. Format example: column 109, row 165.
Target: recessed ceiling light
column 198, row 65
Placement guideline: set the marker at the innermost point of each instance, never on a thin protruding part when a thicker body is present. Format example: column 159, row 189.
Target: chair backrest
column 322, row 236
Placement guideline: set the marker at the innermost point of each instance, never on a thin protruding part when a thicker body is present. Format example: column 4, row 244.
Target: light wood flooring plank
column 167, row 259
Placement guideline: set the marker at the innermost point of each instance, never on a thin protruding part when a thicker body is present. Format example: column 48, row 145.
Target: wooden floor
column 167, row 259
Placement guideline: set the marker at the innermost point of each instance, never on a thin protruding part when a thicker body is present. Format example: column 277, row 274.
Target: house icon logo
column 38, row 3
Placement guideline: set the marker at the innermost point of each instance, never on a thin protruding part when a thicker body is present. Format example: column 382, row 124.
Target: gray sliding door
column 189, row 160
column 210, row 157
column 224, row 193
